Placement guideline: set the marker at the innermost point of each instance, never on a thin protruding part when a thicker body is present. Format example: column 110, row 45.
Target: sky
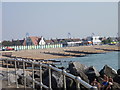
column 0, row 21
column 56, row 20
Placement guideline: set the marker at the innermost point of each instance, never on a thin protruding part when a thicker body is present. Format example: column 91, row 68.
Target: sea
column 97, row 60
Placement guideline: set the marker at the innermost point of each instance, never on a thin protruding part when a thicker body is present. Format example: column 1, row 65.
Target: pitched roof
column 35, row 40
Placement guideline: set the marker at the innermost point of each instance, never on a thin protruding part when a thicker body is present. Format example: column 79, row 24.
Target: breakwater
column 49, row 78
column 75, row 76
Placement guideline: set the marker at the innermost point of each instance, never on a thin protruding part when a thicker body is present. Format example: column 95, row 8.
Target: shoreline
column 64, row 52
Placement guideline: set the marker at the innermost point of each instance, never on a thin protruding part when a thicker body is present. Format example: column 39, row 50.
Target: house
column 95, row 40
column 49, row 42
column 42, row 41
column 33, row 40
column 76, row 43
column 17, row 42
column 65, row 42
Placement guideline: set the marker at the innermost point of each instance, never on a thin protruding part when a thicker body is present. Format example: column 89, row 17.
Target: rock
column 115, row 86
column 75, row 68
column 92, row 73
column 117, row 79
column 78, row 69
column 36, row 85
column 28, row 79
column 108, row 71
column 37, row 74
column 57, row 80
column 118, row 71
column 20, row 71
column 69, row 82
column 11, row 77
column 83, row 76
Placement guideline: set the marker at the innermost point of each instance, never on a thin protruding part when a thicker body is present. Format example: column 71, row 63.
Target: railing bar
column 33, row 84
column 58, row 70
column 77, row 83
column 50, row 87
column 34, row 81
column 16, row 74
column 8, row 73
column 40, row 75
column 64, row 80
column 84, row 83
column 24, row 74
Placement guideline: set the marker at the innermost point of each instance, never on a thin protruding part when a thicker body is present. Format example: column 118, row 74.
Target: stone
column 11, row 77
column 118, row 71
column 92, row 73
column 115, row 86
column 37, row 74
column 109, row 71
column 69, row 82
column 117, row 79
column 83, row 76
column 76, row 67
column 28, row 79
column 57, row 80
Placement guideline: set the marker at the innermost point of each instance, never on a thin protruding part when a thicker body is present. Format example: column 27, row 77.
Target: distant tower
column 27, row 34
column 26, row 37
column 93, row 34
column 69, row 35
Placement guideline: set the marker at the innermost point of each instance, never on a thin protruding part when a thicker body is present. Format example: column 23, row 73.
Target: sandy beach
column 39, row 53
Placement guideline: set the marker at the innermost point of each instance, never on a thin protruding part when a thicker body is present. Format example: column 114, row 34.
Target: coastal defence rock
column 57, row 80
column 115, row 86
column 117, row 79
column 21, row 79
column 107, row 70
column 92, row 73
column 70, row 83
column 78, row 69
column 118, row 71
column 11, row 77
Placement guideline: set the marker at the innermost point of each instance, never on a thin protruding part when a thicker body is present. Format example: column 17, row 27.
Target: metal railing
column 77, row 79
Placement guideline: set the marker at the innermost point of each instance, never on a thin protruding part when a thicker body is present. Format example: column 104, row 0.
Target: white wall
column 42, row 42
column 96, row 40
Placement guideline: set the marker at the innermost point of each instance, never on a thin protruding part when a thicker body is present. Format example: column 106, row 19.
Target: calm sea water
column 97, row 60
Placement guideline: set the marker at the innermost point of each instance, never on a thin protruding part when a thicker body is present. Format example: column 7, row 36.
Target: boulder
column 57, row 80
column 117, row 79
column 83, row 76
column 76, row 67
column 118, row 71
column 70, row 83
column 21, row 78
column 92, row 73
column 37, row 74
column 11, row 77
column 115, row 86
column 28, row 81
column 109, row 71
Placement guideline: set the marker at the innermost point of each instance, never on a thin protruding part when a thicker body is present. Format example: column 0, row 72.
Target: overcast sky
column 56, row 20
